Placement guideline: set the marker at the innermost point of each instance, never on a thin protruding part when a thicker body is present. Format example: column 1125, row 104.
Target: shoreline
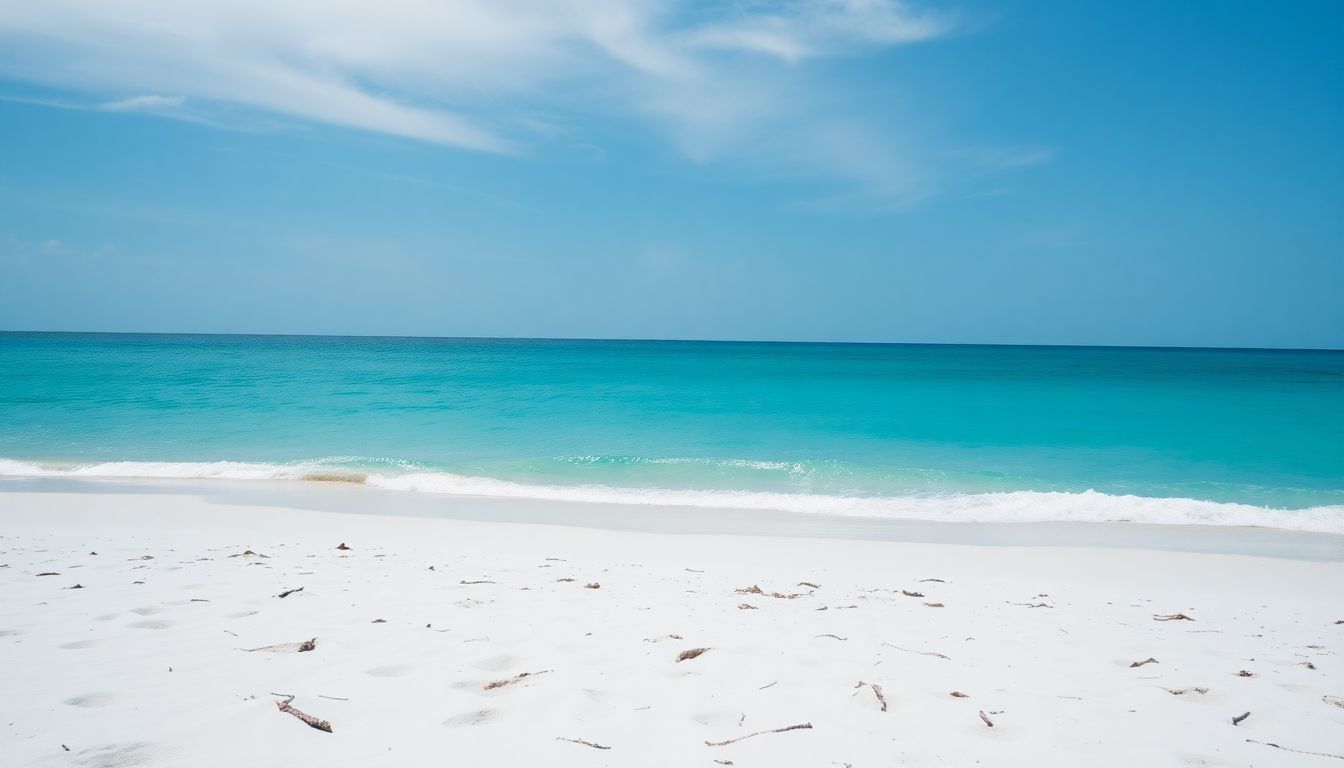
column 354, row 498
column 504, row 642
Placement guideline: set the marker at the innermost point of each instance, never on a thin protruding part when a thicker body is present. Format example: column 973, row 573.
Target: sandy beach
column 144, row 624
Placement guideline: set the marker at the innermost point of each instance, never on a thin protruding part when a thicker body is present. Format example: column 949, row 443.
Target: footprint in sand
column 393, row 670
column 95, row 699
column 479, row 717
column 151, row 624
column 147, row 610
column 78, row 644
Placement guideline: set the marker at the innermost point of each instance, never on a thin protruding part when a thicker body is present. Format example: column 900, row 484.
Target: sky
column 1034, row 172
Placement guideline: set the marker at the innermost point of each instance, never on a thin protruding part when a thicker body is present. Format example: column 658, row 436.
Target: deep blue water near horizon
column 906, row 430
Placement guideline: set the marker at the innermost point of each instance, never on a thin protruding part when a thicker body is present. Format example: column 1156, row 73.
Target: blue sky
column 1052, row 171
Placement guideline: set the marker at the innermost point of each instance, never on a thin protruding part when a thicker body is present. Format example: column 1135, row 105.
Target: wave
column 992, row 507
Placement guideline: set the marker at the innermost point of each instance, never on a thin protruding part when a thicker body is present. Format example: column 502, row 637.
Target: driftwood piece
column 478, row 581
column 1290, row 749
column 985, row 718
column 690, row 653
column 313, row 722
column 940, row 581
column 510, row 681
column 837, row 637
column 809, row 584
column 909, row 593
column 800, row 726
column 877, row 691
column 49, row 573
column 1172, row 617
column 581, row 741
column 289, row 592
column 305, row 646
column 1149, row 660
column 592, row 585
column 959, row 694
column 934, row 605
column 746, row 607
column 921, row 653
column 1237, row 720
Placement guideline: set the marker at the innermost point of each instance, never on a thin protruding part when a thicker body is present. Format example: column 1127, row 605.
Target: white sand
column 143, row 665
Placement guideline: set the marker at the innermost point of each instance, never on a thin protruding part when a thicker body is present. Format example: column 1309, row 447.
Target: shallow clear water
column 947, row 432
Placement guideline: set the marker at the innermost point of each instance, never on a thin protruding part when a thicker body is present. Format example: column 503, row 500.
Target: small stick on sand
column 1290, row 749
column 768, row 685
column 809, row 584
column 800, row 726
column 313, row 722
column 908, row 593
column 511, row 680
column 306, row 645
column 289, row 592
column 333, row 698
column 1172, row 617
column 1237, row 720
column 959, row 695
column 837, row 637
column 592, row 585
column 581, row 741
column 746, row 607
column 690, row 653
column 934, row 605
column 877, row 691
column 985, row 717
column 1149, row 660
column 921, row 653
column 479, row 581
column 940, row 581
column 1183, row 691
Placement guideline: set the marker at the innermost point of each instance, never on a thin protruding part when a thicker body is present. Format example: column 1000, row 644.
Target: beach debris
column 91, row 553
column 921, row 653
column 304, row 647
column 837, row 637
column 939, row 581
column 1149, row 660
column 378, row 621
column 49, row 573
column 800, row 726
column 565, row 579
column 909, row 593
column 1336, row 700
column 768, row 685
column 756, row 590
column 75, row 586
column 1034, row 605
column 581, row 741
column 1290, row 749
column 143, row 557
column 985, row 718
column 592, row 585
column 1183, row 691
column 959, row 694
column 313, row 722
column 877, row 691
column 342, row 547
column 836, row 607
column 934, row 605
column 198, row 600
column 1245, row 673
column 1237, row 720
column 1172, row 617
column 249, row 553
column 510, row 681
column 746, row 607
column 289, row 592
column 1340, row 621
column 478, row 581
column 690, row 653
column 720, row 762
column 661, row 638
column 333, row 698
column 808, row 584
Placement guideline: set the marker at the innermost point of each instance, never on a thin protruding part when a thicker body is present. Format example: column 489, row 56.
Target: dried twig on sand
column 1172, row 617
column 1237, row 720
column 1183, row 691
column 837, row 637
column 306, row 645
column 690, row 653
column 478, row 581
column 661, row 638
column 592, row 585
column 908, row 593
column 746, row 607
column 581, row 741
column 565, row 579
column 800, row 726
column 934, row 605
column 768, row 685
column 959, row 694
column 313, row 722
column 985, row 717
column 1149, row 660
column 1245, row 673
column 877, row 691
column 289, row 592
column 49, row 573
column 921, row 653
column 249, row 553
column 756, row 590
column 940, row 581
column 510, row 681
column 809, row 584
column 1290, row 749
column 1337, row 701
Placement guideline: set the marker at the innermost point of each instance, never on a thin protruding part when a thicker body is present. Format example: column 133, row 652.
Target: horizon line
column 669, row 340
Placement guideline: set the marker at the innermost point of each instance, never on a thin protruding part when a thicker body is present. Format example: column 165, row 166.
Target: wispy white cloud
column 718, row 80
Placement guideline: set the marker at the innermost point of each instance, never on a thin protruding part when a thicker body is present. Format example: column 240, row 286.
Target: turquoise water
column 945, row 432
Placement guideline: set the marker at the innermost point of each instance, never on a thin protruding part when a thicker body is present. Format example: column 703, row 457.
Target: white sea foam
column 998, row 507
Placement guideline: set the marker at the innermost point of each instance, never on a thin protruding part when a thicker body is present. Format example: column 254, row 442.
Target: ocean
column 936, row 432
